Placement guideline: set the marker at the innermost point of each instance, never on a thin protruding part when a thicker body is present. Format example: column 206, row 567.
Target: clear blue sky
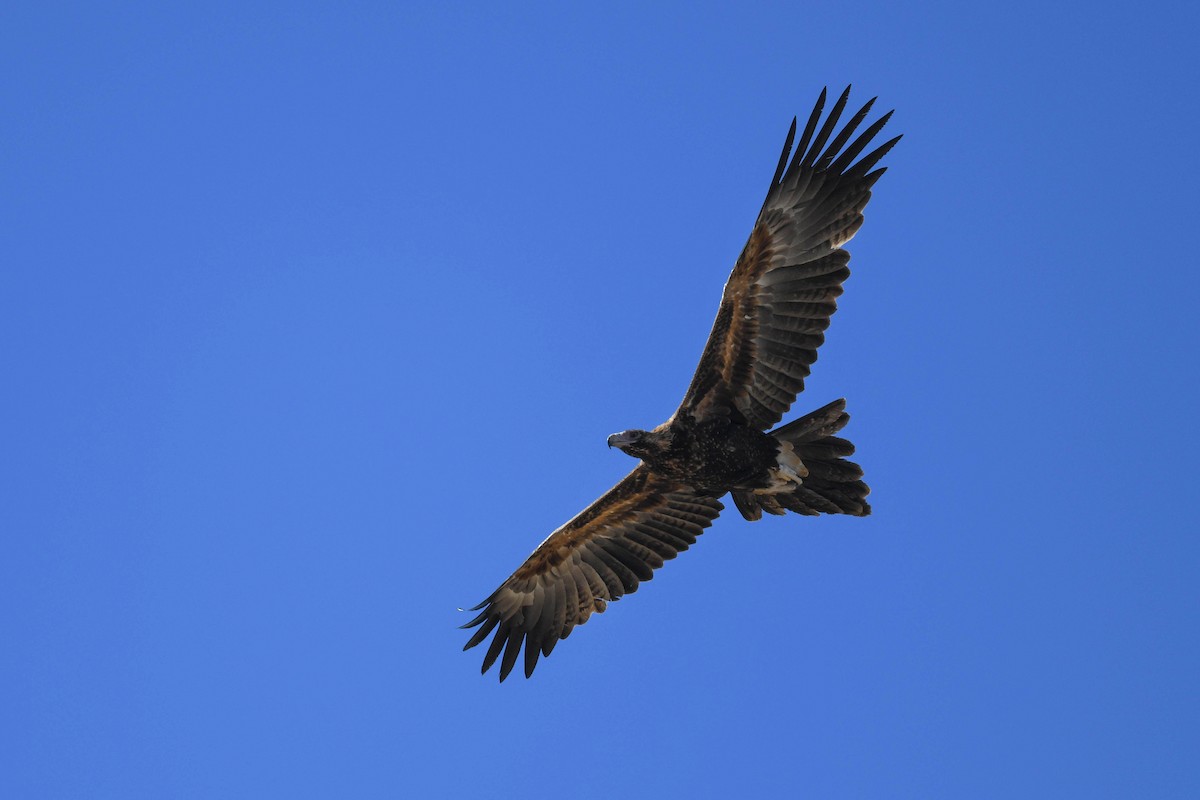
column 315, row 320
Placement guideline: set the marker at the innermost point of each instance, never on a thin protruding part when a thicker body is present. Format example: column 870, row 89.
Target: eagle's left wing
column 598, row 556
column 783, row 290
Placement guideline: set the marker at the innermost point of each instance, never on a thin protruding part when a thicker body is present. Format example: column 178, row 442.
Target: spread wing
column 783, row 290
column 598, row 556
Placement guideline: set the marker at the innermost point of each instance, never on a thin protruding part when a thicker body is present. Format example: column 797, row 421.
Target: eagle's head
column 636, row 443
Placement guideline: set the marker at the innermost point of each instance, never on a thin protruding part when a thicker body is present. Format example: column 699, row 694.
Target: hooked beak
column 621, row 439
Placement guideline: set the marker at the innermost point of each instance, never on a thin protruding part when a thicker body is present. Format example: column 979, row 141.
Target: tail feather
column 833, row 484
column 829, row 449
column 819, row 424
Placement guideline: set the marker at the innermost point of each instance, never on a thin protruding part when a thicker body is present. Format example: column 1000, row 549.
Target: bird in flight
column 721, row 440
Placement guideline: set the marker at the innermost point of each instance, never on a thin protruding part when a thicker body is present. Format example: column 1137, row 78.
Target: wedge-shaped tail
column 833, row 485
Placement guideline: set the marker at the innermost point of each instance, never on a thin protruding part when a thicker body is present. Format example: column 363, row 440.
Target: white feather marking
column 788, row 473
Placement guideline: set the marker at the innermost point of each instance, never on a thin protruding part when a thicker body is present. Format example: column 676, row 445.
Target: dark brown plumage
column 773, row 314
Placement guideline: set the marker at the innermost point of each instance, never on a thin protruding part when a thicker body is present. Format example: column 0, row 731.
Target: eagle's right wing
column 598, row 556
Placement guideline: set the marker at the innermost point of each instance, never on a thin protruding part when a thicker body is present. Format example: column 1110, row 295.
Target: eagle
column 722, row 439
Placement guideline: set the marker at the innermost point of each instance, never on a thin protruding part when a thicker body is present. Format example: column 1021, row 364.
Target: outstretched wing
column 783, row 290
column 598, row 556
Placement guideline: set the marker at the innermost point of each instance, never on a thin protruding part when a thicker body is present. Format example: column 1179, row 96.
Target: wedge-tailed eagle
column 773, row 314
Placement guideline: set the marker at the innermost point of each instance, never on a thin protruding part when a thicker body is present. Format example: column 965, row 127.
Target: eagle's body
column 722, row 438
column 712, row 456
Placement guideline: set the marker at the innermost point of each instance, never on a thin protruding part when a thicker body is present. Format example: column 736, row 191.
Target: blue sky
column 316, row 318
